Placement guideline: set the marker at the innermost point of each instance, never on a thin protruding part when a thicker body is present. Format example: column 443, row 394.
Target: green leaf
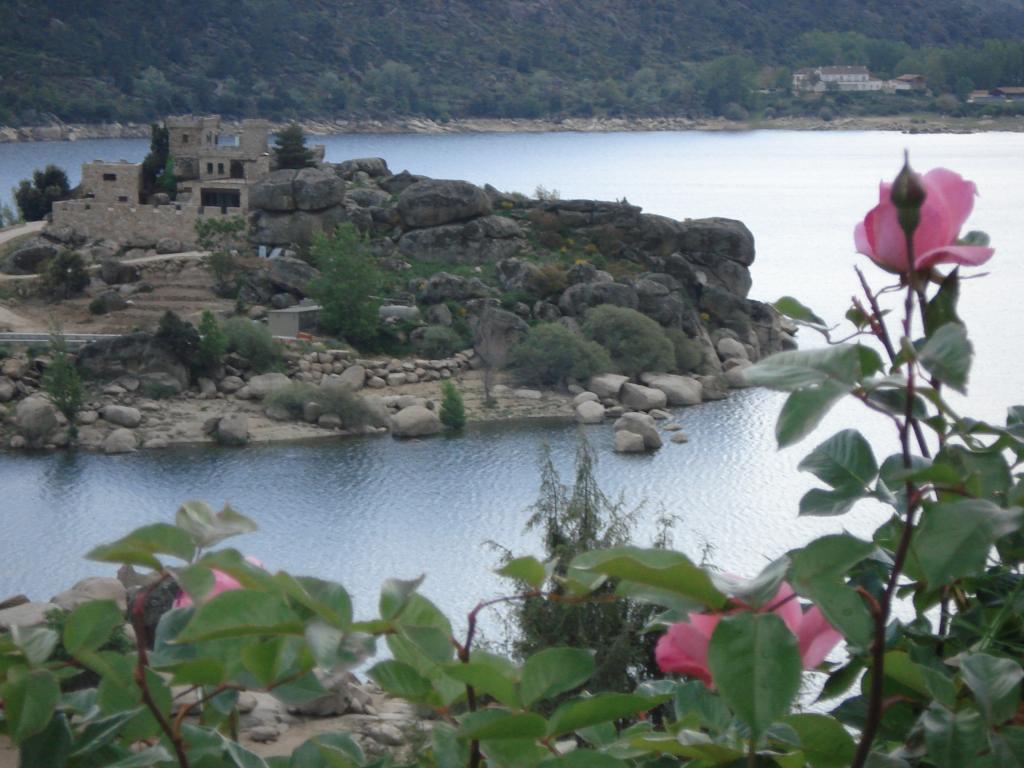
column 693, row 697
column 788, row 371
column 658, row 568
column 448, row 751
column 954, row 538
column 395, row 593
column 50, row 748
column 37, row 643
column 827, row 557
column 317, row 751
column 995, row 683
column 905, row 671
column 241, row 757
column 691, row 744
column 791, row 307
column 804, row 410
column 90, row 625
column 526, row 569
column 844, row 461
column 952, row 740
column 102, row 731
column 593, row 710
column 947, row 355
column 553, row 671
column 207, row 527
column 757, row 591
column 823, row 740
column 844, row 609
column 486, row 679
column 400, row 679
column 326, row 599
column 818, row 502
column 141, row 545
column 755, row 663
column 841, row 680
column 30, row 698
column 241, row 613
column 493, row 724
column 941, row 309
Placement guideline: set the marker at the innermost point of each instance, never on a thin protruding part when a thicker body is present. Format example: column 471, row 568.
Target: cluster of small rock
column 379, row 373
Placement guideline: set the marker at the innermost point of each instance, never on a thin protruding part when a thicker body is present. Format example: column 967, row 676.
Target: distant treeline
column 135, row 60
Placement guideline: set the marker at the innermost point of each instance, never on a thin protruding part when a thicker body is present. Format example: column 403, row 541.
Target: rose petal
column 968, row 255
column 816, row 637
column 957, row 194
column 888, row 242
column 787, row 607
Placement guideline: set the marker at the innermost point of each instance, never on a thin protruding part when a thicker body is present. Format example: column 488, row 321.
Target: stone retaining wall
column 135, row 226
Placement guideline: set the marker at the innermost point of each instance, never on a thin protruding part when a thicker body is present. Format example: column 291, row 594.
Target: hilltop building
column 213, row 167
column 851, row 79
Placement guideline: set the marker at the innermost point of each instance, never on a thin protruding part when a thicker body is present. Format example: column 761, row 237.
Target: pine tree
column 290, row 148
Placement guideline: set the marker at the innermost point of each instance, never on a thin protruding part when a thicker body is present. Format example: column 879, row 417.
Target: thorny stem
column 880, row 330
column 875, row 701
column 142, row 661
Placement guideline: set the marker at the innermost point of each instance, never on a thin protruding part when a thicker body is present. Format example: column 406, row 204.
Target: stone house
column 841, row 78
column 214, row 169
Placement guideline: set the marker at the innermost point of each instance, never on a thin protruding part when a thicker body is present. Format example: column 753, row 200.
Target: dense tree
column 290, row 148
column 347, row 286
column 35, row 198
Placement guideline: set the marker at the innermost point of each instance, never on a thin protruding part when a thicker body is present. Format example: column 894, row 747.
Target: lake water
column 360, row 511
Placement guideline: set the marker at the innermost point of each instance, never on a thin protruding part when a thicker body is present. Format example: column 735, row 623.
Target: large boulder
column 121, row 415
column 679, row 390
column 640, row 424
column 589, row 412
column 93, row 588
column 7, row 388
column 371, row 166
column 444, row 286
column 121, row 441
column 35, row 419
column 114, row 272
column 433, row 202
column 28, row 258
column 271, row 227
column 308, row 189
column 232, row 429
column 267, row 383
column 642, row 398
column 415, row 421
column 578, row 298
column 496, row 332
column 516, row 274
column 607, row 385
column 106, row 302
column 132, row 354
column 629, row 442
column 452, row 243
column 169, row 245
column 292, row 275
column 353, row 378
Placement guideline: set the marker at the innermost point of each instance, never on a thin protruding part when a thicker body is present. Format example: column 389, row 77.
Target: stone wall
column 112, row 182
column 135, row 226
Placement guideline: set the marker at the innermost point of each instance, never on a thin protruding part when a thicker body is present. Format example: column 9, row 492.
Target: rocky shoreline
column 58, row 131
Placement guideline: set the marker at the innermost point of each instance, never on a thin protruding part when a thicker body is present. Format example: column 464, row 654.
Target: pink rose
column 947, row 204
column 221, row 583
column 684, row 648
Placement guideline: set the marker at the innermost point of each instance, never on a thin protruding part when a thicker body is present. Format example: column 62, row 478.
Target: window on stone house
column 209, row 167
column 220, row 168
column 110, row 177
column 122, row 199
column 184, row 138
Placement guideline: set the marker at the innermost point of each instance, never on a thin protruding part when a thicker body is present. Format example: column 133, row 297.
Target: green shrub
column 35, row 198
column 212, row 341
column 332, row 400
column 179, row 336
column 62, row 382
column 551, row 353
column 453, row 410
column 253, row 342
column 549, row 280
column 439, row 342
column 688, row 352
column 158, row 390
column 634, row 341
column 97, row 306
column 64, row 276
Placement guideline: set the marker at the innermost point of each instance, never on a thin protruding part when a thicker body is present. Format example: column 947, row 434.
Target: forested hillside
column 135, row 59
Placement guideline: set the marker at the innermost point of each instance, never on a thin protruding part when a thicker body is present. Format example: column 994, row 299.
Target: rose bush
column 948, row 202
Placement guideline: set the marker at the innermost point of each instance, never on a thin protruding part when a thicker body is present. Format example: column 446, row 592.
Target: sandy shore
column 915, row 123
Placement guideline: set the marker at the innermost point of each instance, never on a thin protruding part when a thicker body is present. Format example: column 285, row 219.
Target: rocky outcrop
column 232, row 429
column 679, row 390
column 291, row 206
column 133, row 354
column 28, row 258
column 433, row 202
column 35, row 419
column 642, row 425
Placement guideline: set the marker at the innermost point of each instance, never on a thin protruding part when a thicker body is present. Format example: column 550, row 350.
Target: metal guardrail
column 73, row 340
